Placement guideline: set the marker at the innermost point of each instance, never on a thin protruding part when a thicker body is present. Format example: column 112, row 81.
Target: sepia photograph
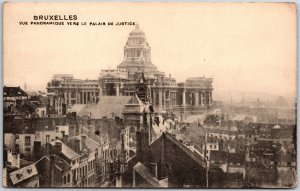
column 149, row 95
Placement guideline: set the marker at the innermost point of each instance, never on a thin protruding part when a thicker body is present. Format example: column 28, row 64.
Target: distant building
column 193, row 96
column 13, row 97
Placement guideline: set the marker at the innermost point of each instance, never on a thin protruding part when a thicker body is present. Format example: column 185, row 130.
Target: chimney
column 169, row 75
column 83, row 140
column 142, row 146
column 47, row 148
column 52, row 171
column 77, row 145
column 14, row 159
column 57, row 148
column 156, row 119
column 37, row 150
column 72, row 131
column 92, row 131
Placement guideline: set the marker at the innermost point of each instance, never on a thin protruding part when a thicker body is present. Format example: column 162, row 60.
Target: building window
column 69, row 178
column 47, row 138
column 215, row 146
column 27, row 140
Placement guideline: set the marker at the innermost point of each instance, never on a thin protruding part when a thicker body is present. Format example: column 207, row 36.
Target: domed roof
column 137, row 31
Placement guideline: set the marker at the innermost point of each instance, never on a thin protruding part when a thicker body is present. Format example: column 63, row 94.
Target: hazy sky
column 246, row 46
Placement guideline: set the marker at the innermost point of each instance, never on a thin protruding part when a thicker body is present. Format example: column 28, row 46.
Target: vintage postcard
column 149, row 95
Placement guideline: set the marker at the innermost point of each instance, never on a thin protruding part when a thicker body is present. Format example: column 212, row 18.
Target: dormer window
column 29, row 170
column 19, row 176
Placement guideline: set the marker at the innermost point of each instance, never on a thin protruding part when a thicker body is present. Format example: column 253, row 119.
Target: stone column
column 118, row 89
column 79, row 97
column 69, row 102
column 183, row 98
column 84, row 97
column 207, row 97
column 65, row 98
column 203, row 98
column 160, row 97
column 196, row 97
column 154, row 97
column 76, row 95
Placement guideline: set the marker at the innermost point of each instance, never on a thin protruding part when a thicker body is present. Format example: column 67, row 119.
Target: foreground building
column 191, row 97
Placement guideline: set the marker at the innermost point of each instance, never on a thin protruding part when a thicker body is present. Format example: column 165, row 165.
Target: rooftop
column 13, row 92
column 107, row 106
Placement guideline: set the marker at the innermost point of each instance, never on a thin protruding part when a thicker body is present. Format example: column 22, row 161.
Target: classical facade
column 192, row 97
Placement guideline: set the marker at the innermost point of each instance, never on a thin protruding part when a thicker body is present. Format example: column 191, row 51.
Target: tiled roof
column 235, row 177
column 66, row 150
column 60, row 164
column 107, row 106
column 218, row 156
column 24, row 163
column 22, row 174
column 236, row 158
column 196, row 157
column 13, row 92
column 77, row 108
column 195, row 119
column 145, row 174
column 90, row 143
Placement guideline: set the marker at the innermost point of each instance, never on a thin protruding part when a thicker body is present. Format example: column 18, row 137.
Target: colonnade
column 187, row 97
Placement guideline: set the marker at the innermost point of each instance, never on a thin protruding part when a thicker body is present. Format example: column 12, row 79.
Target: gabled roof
column 22, row 174
column 195, row 156
column 134, row 105
column 66, row 150
column 13, row 92
column 90, row 143
column 144, row 172
column 60, row 163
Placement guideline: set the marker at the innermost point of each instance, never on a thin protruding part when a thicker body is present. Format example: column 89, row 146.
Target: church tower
column 137, row 54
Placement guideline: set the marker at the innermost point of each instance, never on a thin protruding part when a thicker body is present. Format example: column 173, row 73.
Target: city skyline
column 149, row 95
column 210, row 40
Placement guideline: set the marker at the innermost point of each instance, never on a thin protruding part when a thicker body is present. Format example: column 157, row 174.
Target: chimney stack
column 57, row 148
column 47, row 148
column 91, row 131
column 52, row 171
column 78, row 145
column 72, row 131
column 83, row 141
column 37, row 150
column 142, row 146
column 14, row 159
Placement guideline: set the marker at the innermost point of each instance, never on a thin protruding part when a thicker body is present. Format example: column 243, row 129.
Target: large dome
column 137, row 31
